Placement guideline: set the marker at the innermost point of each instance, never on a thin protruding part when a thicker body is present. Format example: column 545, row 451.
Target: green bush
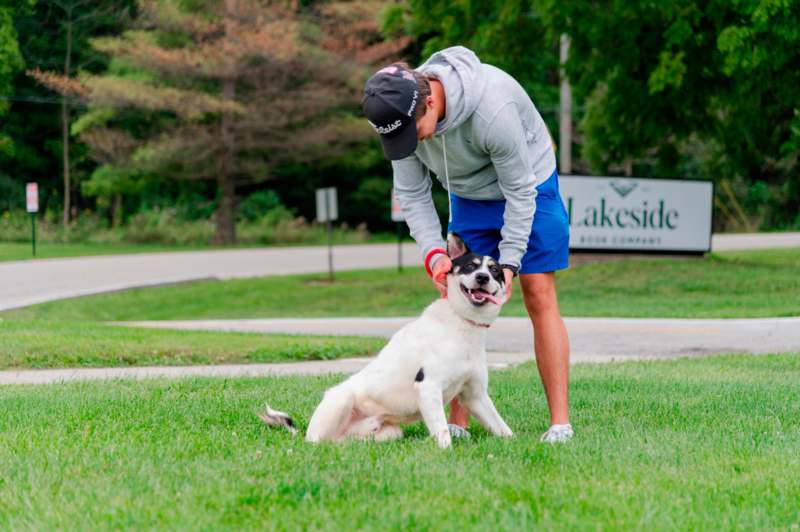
column 165, row 226
column 258, row 204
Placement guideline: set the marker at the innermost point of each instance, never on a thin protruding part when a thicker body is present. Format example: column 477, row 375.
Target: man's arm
column 506, row 144
column 412, row 185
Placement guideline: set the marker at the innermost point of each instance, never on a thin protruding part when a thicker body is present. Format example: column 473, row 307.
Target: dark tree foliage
column 49, row 33
column 706, row 89
column 692, row 89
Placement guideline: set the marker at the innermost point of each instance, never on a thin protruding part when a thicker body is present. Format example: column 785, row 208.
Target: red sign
column 32, row 196
column 397, row 212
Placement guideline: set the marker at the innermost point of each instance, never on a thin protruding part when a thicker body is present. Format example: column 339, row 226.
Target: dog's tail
column 329, row 421
column 277, row 419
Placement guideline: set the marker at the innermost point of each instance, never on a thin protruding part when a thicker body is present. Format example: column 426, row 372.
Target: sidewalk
column 509, row 343
column 590, row 338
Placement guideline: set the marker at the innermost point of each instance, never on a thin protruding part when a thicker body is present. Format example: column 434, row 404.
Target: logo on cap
column 383, row 130
column 413, row 103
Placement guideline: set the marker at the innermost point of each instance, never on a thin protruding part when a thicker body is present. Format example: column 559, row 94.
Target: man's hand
column 439, row 274
column 509, row 278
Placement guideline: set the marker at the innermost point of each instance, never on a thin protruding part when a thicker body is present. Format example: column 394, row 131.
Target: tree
column 56, row 38
column 229, row 90
column 11, row 60
column 509, row 34
column 691, row 88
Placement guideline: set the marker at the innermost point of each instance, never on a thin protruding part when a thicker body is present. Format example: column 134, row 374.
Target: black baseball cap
column 390, row 101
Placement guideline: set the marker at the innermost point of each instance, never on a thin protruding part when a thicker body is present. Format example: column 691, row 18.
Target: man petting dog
column 475, row 127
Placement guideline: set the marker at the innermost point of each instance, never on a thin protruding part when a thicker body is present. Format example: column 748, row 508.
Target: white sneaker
column 457, row 431
column 558, row 434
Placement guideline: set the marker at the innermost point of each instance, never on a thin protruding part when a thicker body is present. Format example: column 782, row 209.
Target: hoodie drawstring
column 447, row 180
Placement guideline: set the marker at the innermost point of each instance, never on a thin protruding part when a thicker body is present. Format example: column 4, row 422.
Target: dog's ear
column 455, row 246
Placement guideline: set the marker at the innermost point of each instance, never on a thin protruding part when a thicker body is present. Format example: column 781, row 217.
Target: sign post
column 397, row 216
column 328, row 211
column 32, row 202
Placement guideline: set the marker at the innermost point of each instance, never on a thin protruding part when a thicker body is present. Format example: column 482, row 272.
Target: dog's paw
column 443, row 439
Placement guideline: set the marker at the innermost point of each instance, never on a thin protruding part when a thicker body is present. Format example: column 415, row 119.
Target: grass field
column 724, row 285
column 37, row 344
column 690, row 444
column 22, row 250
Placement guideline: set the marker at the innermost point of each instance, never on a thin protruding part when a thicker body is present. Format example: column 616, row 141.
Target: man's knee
column 539, row 292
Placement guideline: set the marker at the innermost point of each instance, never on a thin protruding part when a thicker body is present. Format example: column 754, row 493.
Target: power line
column 40, row 99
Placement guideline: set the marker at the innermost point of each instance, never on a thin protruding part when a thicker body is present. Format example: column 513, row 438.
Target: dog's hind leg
column 363, row 428
column 388, row 433
column 331, row 417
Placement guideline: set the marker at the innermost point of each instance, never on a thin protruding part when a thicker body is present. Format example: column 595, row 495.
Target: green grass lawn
column 22, row 251
column 724, row 285
column 43, row 344
column 47, row 250
column 691, row 444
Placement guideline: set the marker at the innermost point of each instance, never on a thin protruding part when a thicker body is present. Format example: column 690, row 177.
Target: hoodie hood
column 459, row 70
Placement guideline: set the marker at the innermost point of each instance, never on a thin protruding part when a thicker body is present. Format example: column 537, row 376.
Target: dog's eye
column 468, row 267
column 493, row 269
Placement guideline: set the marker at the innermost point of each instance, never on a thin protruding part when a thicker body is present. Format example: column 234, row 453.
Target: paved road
column 25, row 283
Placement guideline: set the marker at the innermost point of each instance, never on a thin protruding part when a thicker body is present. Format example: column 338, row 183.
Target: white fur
column 448, row 345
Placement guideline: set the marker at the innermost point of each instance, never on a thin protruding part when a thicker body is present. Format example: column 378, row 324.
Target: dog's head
column 476, row 284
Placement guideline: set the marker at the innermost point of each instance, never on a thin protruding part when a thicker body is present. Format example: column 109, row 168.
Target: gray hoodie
column 496, row 144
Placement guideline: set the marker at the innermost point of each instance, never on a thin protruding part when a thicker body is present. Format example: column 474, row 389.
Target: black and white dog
column 437, row 357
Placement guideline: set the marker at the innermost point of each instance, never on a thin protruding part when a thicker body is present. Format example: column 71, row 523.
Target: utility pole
column 564, row 112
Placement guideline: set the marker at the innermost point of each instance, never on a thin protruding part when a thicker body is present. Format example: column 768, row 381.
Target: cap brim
column 402, row 144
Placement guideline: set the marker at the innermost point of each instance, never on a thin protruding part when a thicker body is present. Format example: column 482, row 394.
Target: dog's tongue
column 492, row 299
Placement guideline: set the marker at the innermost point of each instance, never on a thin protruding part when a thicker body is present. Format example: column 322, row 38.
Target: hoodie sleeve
column 412, row 185
column 506, row 144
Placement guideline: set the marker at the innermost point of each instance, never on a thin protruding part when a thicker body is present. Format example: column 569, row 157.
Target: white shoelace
column 447, row 180
column 558, row 434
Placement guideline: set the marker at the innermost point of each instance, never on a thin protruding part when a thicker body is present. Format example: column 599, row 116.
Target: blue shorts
column 478, row 223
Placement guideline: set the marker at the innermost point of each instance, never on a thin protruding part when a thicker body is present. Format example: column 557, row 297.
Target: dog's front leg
column 476, row 399
column 431, row 406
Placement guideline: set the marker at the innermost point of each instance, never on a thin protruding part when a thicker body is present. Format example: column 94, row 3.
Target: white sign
column 631, row 214
column 327, row 209
column 397, row 211
column 32, row 197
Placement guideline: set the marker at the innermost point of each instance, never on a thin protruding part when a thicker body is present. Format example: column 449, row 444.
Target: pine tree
column 231, row 90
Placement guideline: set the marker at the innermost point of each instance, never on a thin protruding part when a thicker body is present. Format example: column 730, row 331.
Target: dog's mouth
column 479, row 296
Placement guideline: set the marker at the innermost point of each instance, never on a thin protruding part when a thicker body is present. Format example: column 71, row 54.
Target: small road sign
column 327, row 208
column 32, row 197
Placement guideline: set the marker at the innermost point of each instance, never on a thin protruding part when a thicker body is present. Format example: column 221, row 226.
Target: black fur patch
column 420, row 376
column 466, row 263
column 496, row 272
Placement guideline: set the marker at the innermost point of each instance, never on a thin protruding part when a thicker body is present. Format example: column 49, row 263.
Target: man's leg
column 551, row 342
column 458, row 414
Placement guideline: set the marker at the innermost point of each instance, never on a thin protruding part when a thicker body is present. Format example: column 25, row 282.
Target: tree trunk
column 226, row 211
column 65, row 158
column 226, row 186
column 564, row 112
column 65, row 127
column 116, row 211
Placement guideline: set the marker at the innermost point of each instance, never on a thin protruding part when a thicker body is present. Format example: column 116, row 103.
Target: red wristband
column 431, row 253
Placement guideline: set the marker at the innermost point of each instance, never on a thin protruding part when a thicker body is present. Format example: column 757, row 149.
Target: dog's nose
column 481, row 278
